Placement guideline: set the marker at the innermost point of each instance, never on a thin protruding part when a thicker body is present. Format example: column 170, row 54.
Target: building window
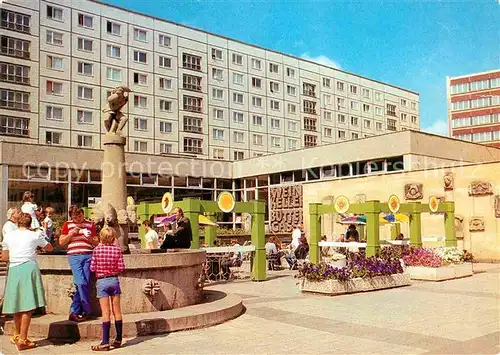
column 403, row 102
column 378, row 96
column 84, row 116
column 460, row 105
column 55, row 63
column 403, row 117
column 218, row 153
column 275, row 123
column 354, row 121
column 309, row 89
column 193, row 124
column 273, row 68
column 292, row 109
column 140, row 57
column 113, row 51
column 366, row 93
column 165, row 84
column 140, row 124
column 340, row 102
column 14, row 21
column 414, row 119
column 310, row 124
column 193, row 145
column 192, row 103
column 114, row 74
column 290, row 73
column 258, row 139
column 391, row 124
column 218, row 94
column 354, row 105
column 413, row 105
column 85, row 21
column 165, row 62
column 237, row 98
column 237, row 59
column 366, row 108
column 165, row 148
column 14, row 47
column 291, row 90
column 353, row 89
column 257, row 83
column 274, row 87
column 166, row 105
column 379, row 126
column 54, row 113
column 140, row 35
column 84, row 141
column 216, row 54
column 275, row 105
column 54, row 38
column 113, row 28
column 53, row 137
column 192, row 62
column 479, row 85
column 165, row 127
column 85, row 68
column 238, row 137
column 239, row 155
column 140, row 79
column 328, row 132
column 85, row 92
column 391, row 110
column 379, row 111
column 140, row 146
column 256, row 64
column 218, row 114
column 292, row 144
column 367, row 124
column 14, row 73
column 218, row 134
column 140, row 101
column 292, row 126
column 327, row 115
column 164, row 41
column 55, row 13
column 257, row 120
column 326, row 82
column 309, row 107
column 327, row 99
column 310, row 141
column 342, row 135
column 191, row 82
column 238, row 79
column 217, row 74
column 14, row 126
column 276, row 142
column 340, row 86
column 354, row 135
column 15, row 100
column 54, row 88
column 341, row 118
column 237, row 117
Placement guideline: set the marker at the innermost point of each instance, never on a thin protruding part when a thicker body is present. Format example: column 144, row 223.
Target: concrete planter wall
column 335, row 287
column 448, row 272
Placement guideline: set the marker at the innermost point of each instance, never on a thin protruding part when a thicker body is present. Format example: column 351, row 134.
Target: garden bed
column 446, row 272
column 336, row 287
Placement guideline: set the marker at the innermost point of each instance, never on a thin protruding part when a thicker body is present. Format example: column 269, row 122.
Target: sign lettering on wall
column 286, row 208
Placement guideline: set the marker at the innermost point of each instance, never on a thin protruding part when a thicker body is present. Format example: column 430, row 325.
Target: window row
column 479, row 137
column 14, row 21
column 475, row 86
column 475, row 120
column 485, row 101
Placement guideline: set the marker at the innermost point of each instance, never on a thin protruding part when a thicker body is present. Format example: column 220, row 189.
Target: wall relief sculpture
column 414, row 191
column 476, row 224
column 480, row 188
column 459, row 223
column 286, row 208
column 448, row 180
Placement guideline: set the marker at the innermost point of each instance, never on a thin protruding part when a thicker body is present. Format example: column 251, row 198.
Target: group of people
column 298, row 249
column 177, row 235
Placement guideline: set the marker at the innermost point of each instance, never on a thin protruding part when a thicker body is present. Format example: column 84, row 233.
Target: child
column 48, row 225
column 107, row 263
column 30, row 208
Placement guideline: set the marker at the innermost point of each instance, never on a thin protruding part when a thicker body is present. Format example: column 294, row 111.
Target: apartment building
column 194, row 92
column 474, row 107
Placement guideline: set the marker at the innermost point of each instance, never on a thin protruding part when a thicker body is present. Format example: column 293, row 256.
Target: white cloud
column 321, row 59
column 438, row 127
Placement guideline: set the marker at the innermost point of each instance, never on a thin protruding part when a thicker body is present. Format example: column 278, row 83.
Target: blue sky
column 411, row 44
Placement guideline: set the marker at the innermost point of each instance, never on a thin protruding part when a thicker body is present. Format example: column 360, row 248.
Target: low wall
column 150, row 283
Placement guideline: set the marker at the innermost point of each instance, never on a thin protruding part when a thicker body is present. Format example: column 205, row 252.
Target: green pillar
column 372, row 211
column 449, row 225
column 314, row 233
column 143, row 215
column 191, row 208
column 210, row 231
column 259, row 240
column 416, row 224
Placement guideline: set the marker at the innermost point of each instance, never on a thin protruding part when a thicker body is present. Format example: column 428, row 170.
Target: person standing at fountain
column 107, row 263
column 13, row 215
column 19, row 248
column 30, row 208
column 183, row 234
column 151, row 237
column 80, row 236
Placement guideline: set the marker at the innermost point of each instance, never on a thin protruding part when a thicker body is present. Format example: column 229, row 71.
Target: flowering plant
column 450, row 255
column 423, row 257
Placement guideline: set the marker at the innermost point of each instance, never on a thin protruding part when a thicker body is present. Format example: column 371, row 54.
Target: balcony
column 12, row 78
column 310, row 93
column 15, row 26
column 12, row 52
column 391, row 128
column 192, row 108
column 14, row 126
column 191, row 86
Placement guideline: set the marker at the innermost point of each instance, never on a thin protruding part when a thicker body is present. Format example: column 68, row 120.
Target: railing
column 19, row 53
column 228, row 263
column 192, row 87
column 15, row 26
column 12, row 78
column 391, row 128
column 192, row 108
column 192, row 66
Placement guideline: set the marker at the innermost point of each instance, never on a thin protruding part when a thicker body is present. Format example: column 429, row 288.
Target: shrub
column 423, row 257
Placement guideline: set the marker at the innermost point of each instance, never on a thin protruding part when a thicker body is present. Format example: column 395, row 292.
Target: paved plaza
column 453, row 317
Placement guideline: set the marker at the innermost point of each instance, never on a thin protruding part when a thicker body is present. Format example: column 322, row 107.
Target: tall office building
column 474, row 107
column 194, row 92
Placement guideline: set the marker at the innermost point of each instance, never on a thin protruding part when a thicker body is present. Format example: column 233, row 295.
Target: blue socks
column 105, row 332
column 119, row 329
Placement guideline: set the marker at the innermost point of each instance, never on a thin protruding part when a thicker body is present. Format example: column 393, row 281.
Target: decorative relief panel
column 476, row 224
column 448, row 180
column 480, row 188
column 286, row 208
column 497, row 206
column 414, row 191
column 459, row 223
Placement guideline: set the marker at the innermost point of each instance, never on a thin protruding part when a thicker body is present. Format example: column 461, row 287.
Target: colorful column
column 314, row 233
column 191, row 208
column 142, row 215
column 449, row 225
column 210, row 231
column 259, row 240
column 415, row 224
column 372, row 211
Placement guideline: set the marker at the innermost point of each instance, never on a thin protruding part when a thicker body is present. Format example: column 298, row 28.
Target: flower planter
column 442, row 273
column 340, row 263
column 335, row 287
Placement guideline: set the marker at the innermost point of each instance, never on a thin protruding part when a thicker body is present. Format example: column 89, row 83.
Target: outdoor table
column 215, row 265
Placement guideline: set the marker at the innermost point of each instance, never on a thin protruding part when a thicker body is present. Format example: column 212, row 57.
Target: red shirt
column 107, row 260
column 79, row 244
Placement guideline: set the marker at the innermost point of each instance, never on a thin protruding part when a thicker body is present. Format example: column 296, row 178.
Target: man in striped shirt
column 80, row 236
